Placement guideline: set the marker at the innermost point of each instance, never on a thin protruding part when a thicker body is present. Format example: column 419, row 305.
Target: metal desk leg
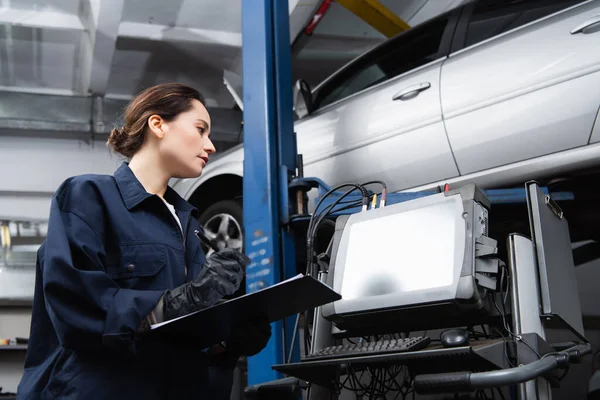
column 321, row 334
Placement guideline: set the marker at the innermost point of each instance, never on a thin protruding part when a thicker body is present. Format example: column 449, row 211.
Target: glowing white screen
column 409, row 251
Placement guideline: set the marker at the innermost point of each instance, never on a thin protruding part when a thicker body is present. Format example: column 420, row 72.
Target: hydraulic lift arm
column 377, row 15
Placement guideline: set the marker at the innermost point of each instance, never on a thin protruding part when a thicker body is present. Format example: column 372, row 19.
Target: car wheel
column 222, row 223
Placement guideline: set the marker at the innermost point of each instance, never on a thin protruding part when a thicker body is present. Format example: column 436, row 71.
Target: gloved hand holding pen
column 221, row 276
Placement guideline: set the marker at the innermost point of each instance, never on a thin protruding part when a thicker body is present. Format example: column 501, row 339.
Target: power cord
column 319, row 215
column 317, row 218
column 383, row 191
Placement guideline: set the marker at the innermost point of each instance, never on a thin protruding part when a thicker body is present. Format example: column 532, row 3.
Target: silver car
column 494, row 92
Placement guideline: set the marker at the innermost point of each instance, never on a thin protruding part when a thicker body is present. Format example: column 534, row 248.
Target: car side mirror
column 302, row 99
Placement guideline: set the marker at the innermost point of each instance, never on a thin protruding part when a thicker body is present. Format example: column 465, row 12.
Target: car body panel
column 356, row 140
column 549, row 166
column 526, row 126
column 529, row 92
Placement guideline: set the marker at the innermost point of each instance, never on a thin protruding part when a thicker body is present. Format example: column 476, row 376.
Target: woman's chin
column 189, row 173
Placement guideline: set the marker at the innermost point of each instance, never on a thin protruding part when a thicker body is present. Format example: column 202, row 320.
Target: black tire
column 229, row 207
column 211, row 216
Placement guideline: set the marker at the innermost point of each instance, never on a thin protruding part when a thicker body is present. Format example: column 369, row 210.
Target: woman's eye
column 201, row 130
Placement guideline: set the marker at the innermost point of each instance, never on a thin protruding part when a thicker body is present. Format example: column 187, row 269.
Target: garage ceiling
column 117, row 47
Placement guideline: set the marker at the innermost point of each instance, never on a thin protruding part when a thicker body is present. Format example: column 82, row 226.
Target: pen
column 206, row 240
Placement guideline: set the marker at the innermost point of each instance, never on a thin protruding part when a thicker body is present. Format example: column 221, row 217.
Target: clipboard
column 556, row 269
column 214, row 324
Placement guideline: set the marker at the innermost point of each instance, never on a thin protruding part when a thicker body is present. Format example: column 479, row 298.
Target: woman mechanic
column 120, row 254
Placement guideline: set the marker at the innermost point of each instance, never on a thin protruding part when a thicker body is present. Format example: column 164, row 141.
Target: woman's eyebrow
column 204, row 122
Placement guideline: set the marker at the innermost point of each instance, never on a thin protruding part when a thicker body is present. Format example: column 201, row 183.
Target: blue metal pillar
column 269, row 163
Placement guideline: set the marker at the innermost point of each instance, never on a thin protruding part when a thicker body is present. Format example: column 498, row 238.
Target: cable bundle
column 381, row 382
column 317, row 218
column 320, row 215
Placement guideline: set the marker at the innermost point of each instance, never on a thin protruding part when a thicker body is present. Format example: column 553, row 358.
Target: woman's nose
column 209, row 147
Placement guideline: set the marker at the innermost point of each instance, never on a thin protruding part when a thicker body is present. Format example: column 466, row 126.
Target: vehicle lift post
column 269, row 165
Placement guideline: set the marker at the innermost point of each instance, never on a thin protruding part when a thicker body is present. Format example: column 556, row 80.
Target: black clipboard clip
column 553, row 206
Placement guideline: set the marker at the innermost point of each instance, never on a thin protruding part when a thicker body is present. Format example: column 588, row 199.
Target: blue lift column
column 269, row 164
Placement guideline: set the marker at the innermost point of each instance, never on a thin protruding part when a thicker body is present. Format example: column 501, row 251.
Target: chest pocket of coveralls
column 139, row 266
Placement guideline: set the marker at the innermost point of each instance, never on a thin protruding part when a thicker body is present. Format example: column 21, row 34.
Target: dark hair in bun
column 167, row 100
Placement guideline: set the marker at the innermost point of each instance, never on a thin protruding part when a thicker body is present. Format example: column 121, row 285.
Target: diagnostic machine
column 428, row 264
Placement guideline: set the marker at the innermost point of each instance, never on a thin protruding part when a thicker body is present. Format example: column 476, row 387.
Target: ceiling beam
column 101, row 19
column 377, row 15
column 43, row 19
column 155, row 32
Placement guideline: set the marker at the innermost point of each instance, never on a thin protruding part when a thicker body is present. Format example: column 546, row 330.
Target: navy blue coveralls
column 111, row 251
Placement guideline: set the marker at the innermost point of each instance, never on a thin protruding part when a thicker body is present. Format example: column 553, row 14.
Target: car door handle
column 587, row 24
column 412, row 91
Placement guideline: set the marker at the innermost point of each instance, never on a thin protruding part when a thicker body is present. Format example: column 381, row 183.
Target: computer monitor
column 413, row 265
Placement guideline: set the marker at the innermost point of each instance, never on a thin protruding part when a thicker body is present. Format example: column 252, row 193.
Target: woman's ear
column 155, row 123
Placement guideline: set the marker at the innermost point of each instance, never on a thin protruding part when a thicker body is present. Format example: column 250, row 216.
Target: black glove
column 250, row 338
column 221, row 276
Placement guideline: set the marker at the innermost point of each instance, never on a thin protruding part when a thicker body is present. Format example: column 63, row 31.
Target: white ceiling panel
column 67, row 6
column 156, row 61
column 38, row 58
column 218, row 15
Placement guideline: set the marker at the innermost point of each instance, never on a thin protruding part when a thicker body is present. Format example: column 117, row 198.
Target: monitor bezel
column 467, row 295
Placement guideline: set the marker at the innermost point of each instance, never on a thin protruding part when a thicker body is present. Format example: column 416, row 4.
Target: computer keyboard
column 370, row 348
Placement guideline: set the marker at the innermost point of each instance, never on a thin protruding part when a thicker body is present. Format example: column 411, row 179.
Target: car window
column 355, row 83
column 494, row 17
column 409, row 50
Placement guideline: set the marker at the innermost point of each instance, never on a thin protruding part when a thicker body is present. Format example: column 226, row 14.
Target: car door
column 522, row 84
column 380, row 117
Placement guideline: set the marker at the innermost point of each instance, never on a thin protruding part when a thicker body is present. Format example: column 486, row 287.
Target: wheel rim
column 225, row 231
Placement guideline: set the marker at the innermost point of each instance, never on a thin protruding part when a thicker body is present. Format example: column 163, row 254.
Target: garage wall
column 14, row 322
column 32, row 169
